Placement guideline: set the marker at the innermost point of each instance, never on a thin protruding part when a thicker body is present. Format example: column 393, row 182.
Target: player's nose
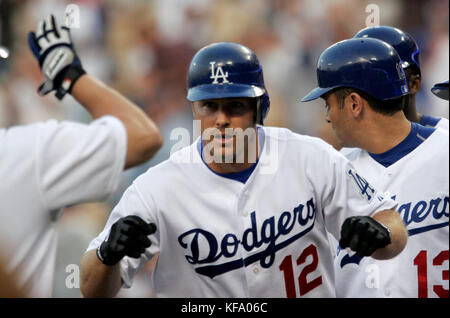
column 222, row 118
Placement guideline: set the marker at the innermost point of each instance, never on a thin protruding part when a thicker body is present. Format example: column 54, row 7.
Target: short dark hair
column 386, row 107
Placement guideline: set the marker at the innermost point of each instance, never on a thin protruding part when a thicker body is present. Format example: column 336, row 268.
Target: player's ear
column 193, row 108
column 414, row 84
column 356, row 103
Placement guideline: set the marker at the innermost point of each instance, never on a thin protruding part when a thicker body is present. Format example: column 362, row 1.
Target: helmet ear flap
column 257, row 118
column 262, row 108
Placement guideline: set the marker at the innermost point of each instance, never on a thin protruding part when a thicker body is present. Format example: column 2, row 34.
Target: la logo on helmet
column 218, row 73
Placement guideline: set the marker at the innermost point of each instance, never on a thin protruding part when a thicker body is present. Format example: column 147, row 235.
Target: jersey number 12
column 304, row 285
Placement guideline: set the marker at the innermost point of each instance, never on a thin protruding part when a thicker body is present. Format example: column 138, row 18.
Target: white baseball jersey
column 43, row 168
column 218, row 237
column 416, row 174
column 429, row 121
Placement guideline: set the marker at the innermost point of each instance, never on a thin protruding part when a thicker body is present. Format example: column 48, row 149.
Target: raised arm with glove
column 53, row 48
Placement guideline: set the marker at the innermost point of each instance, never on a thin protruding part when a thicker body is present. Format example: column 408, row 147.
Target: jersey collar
column 416, row 137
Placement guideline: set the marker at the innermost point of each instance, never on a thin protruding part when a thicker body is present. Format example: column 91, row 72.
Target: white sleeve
column 443, row 123
column 78, row 162
column 347, row 193
column 131, row 203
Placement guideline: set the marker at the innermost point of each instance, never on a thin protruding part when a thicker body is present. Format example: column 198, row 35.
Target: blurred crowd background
column 142, row 48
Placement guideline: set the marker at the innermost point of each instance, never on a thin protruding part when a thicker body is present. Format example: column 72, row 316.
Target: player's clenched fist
column 53, row 48
column 364, row 235
column 128, row 237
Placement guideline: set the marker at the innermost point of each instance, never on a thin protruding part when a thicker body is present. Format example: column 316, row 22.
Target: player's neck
column 385, row 132
column 410, row 109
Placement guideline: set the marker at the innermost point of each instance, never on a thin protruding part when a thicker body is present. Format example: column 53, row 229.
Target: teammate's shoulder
column 304, row 145
column 278, row 133
column 290, row 136
column 440, row 135
column 442, row 129
column 178, row 160
column 50, row 125
column 28, row 129
column 443, row 123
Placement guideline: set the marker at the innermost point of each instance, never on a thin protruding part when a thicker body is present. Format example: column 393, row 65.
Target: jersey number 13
column 422, row 274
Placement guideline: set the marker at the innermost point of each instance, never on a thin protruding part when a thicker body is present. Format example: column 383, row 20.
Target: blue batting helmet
column 224, row 70
column 402, row 42
column 441, row 90
column 370, row 65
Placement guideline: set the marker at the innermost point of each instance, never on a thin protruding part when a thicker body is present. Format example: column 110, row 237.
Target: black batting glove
column 52, row 46
column 364, row 235
column 128, row 237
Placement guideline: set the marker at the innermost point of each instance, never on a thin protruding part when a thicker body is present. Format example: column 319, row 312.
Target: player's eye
column 235, row 104
column 237, row 108
column 209, row 106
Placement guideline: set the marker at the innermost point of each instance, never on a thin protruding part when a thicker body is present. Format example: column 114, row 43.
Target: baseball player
column 408, row 50
column 441, row 90
column 254, row 227
column 47, row 166
column 363, row 84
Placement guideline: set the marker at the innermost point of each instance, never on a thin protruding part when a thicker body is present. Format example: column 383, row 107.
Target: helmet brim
column 316, row 93
column 214, row 91
column 441, row 90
